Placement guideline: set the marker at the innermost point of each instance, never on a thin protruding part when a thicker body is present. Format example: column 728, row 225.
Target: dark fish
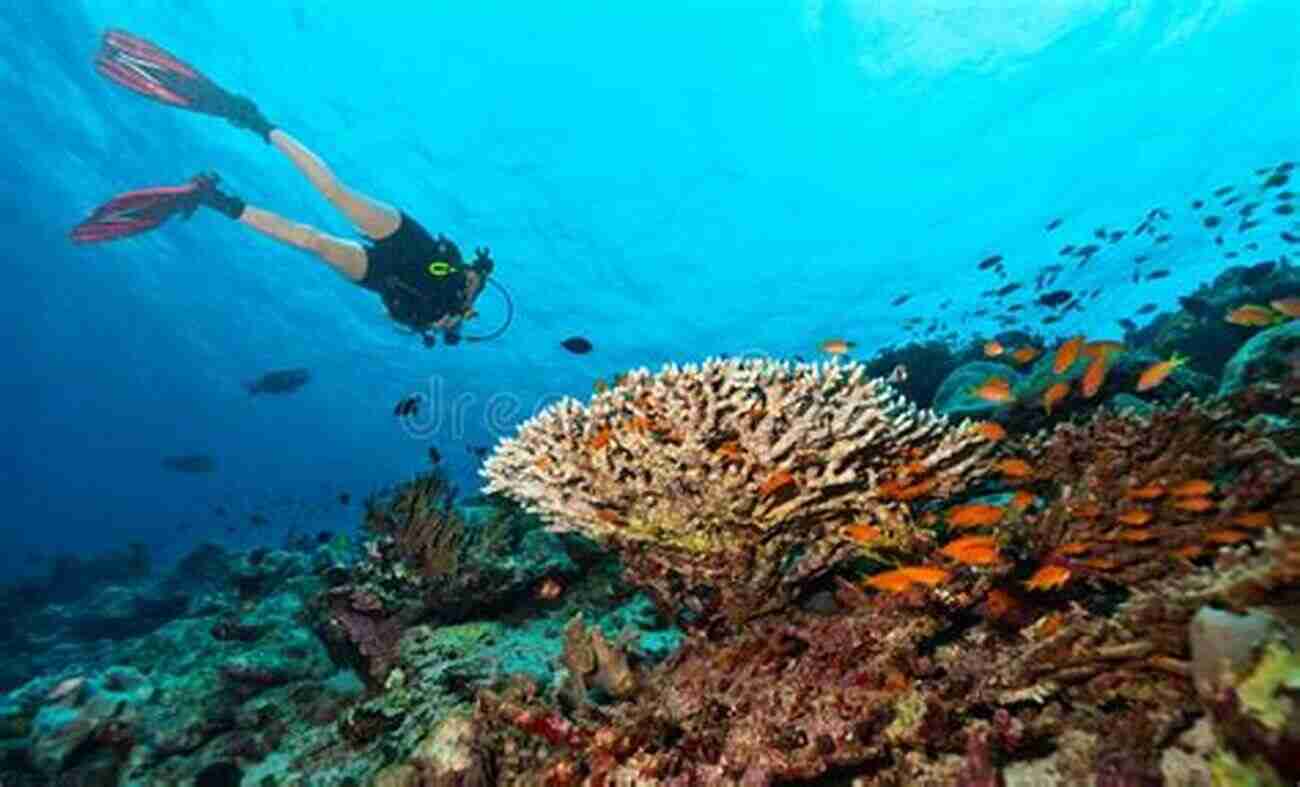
column 1285, row 209
column 1051, row 318
column 1099, row 233
column 1015, row 307
column 989, row 262
column 220, row 511
column 434, row 456
column 345, row 498
column 1095, row 294
column 1248, row 208
column 1246, row 225
column 900, row 300
column 1197, row 204
column 258, row 519
column 282, row 381
column 1286, row 166
column 1230, row 255
column 1159, row 273
column 190, row 463
column 1257, row 273
column 1232, row 200
column 1088, row 251
column 1146, row 308
column 1141, row 258
column 1007, row 289
column 1219, row 192
column 1197, row 307
column 576, row 345
column 1211, row 221
column 1137, row 276
column 981, row 312
column 1128, row 325
column 1117, row 236
column 1053, row 224
column 1141, row 228
column 1055, row 298
column 1277, row 180
column 1218, row 240
column 1066, row 250
column 323, row 537
column 1289, row 238
column 408, row 406
column 478, row 450
column 1163, row 238
column 1286, row 195
column 1252, row 246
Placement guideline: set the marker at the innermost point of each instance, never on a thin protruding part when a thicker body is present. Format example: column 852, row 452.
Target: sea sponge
column 723, row 486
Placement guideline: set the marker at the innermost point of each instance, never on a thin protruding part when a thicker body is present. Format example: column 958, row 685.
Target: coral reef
column 723, row 487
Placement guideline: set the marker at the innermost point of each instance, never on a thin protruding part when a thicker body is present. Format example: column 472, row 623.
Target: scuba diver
column 423, row 281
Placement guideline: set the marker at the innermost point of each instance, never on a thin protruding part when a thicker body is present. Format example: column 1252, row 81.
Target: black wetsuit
column 420, row 277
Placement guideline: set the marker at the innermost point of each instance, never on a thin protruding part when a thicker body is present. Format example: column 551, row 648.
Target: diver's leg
column 375, row 219
column 345, row 256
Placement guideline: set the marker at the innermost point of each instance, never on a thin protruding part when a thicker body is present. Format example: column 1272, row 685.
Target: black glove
column 483, row 261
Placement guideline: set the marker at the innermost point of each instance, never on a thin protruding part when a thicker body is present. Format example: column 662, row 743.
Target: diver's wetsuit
column 420, row 278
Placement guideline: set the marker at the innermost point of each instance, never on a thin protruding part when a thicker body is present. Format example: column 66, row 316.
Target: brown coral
column 724, row 486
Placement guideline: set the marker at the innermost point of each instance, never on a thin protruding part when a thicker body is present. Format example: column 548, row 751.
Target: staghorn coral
column 723, row 486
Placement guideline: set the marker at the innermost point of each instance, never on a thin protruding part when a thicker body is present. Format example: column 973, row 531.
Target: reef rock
column 1270, row 356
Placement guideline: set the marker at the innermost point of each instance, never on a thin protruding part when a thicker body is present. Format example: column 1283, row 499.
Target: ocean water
column 671, row 181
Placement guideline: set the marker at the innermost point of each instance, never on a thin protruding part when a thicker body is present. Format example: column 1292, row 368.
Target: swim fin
column 147, row 69
column 142, row 210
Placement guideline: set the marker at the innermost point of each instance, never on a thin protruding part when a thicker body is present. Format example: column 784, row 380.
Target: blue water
column 672, row 181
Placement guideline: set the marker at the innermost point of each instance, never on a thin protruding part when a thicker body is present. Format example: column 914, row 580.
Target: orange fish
column 1135, row 517
column 1086, row 510
column 1094, row 377
column 609, row 516
column 1195, row 504
column 1067, row 354
column 992, row 431
column 1048, row 577
column 993, row 349
column 601, row 439
column 1194, row 488
column 1099, row 563
column 1055, row 394
column 973, row 550
column 1102, row 349
column 779, row 480
column 1156, row 373
column 994, row 389
column 1136, row 536
column 901, row 579
column 1253, row 316
column 862, row 532
column 1226, row 537
column 999, row 604
column 1072, row 548
column 1022, row 500
column 1289, row 307
column 729, row 450
column 1015, row 468
column 1025, row 354
column 836, row 346
column 1148, row 492
column 1253, row 519
column 1190, row 551
column 974, row 515
column 898, row 490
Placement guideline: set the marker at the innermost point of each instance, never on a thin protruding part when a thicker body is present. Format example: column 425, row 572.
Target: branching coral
column 724, row 486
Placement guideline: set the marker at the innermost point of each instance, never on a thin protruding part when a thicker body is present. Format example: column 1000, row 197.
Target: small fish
column 259, row 520
column 972, row 550
column 1189, row 552
column 1164, row 238
column 1053, row 224
column 1197, row 204
column 577, row 345
column 1147, row 308
column 1252, row 316
column 901, row 299
column 989, row 262
column 1289, row 238
column 1159, row 273
column 1253, row 519
column 994, row 389
column 1195, row 504
column 1054, row 394
column 991, row 431
column 1094, row 377
column 1024, row 355
column 1066, row 250
column 836, row 346
column 1022, row 500
column 1286, row 195
column 1087, row 251
column 408, row 406
column 1289, row 307
column 1006, row 289
column 862, row 532
column 1135, row 517
column 1136, row 536
column 901, row 579
column 1195, row 488
column 1157, row 373
column 345, row 498
column 1285, row 209
column 1247, row 225
column 1055, row 298
column 974, row 515
column 1048, row 577
column 1015, row 468
column 1276, row 181
column 1103, row 348
column 282, row 381
column 479, row 451
column 1128, row 325
column 1221, row 191
column 992, row 349
column 1066, row 355
column 434, row 456
column 1148, row 492
column 1226, row 537
column 1249, row 208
